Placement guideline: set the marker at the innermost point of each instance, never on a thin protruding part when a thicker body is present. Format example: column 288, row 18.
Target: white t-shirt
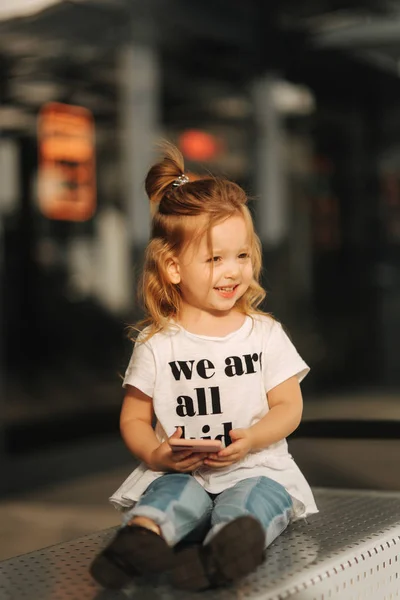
column 210, row 385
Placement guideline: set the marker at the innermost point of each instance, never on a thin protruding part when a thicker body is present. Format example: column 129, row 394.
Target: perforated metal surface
column 350, row 550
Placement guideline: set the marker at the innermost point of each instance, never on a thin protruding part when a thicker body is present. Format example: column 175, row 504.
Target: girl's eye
column 244, row 255
column 214, row 259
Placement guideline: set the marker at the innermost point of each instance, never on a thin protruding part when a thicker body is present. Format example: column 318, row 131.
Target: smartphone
column 179, row 444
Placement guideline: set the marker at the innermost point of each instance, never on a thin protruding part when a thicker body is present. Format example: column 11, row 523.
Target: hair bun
column 163, row 174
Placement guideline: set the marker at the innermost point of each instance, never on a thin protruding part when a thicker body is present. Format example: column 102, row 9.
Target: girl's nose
column 232, row 270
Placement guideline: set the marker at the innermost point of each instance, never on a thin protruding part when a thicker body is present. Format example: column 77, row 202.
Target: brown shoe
column 134, row 552
column 235, row 551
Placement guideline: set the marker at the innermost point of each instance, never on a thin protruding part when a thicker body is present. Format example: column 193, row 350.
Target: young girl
column 208, row 365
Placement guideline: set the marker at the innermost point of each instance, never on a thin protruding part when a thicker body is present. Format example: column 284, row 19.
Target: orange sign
column 67, row 173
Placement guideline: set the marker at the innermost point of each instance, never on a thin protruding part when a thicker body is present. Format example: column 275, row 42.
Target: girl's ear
column 172, row 268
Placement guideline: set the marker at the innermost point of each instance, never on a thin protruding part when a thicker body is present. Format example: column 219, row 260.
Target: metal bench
column 350, row 550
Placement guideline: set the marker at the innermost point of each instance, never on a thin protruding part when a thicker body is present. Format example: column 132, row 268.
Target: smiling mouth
column 227, row 289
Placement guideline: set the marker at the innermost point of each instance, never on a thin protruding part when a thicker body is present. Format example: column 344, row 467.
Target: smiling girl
column 207, row 364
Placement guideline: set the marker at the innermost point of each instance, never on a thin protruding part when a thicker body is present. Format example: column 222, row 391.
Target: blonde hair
column 181, row 215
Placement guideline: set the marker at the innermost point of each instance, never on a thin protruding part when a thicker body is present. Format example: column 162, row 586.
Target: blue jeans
column 182, row 508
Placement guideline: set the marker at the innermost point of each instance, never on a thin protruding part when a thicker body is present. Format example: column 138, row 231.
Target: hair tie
column 181, row 180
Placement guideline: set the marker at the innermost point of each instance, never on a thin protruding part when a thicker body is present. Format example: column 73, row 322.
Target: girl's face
column 214, row 283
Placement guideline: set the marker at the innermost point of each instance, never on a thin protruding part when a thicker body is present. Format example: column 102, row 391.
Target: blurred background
column 299, row 102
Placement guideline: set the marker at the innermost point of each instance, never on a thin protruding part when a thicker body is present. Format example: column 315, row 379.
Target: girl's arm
column 138, row 434
column 285, row 409
column 136, row 424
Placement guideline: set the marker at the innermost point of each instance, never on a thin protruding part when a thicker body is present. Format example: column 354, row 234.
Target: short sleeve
column 281, row 359
column 141, row 370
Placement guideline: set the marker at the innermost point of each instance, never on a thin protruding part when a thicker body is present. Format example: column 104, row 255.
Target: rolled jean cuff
column 159, row 518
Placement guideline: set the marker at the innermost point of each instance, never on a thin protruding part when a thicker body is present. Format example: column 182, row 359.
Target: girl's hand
column 241, row 445
column 186, row 461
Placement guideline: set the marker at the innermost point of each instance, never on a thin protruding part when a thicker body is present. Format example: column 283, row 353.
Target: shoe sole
column 108, row 573
column 233, row 553
column 134, row 552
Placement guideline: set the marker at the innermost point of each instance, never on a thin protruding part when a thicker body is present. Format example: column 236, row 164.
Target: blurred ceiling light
column 83, row 52
column 10, row 9
column 37, row 92
column 93, row 101
column 292, row 99
column 22, row 45
column 15, row 118
column 25, row 67
column 231, row 107
column 380, row 30
column 337, row 20
column 116, row 4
